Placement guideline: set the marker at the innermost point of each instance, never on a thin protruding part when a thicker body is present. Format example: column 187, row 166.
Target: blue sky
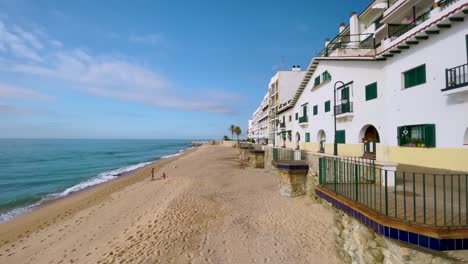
column 150, row 69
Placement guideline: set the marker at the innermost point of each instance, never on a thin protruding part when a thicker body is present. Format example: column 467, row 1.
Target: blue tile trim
column 291, row 167
column 397, row 234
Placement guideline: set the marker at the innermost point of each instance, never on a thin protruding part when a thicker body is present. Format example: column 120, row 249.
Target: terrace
column 428, row 208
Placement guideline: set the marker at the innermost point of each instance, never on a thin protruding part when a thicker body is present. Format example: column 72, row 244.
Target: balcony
column 395, row 31
column 282, row 125
column 456, row 79
column 303, row 120
column 351, row 45
column 344, row 110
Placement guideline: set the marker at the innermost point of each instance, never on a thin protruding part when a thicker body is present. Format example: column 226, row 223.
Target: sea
column 35, row 171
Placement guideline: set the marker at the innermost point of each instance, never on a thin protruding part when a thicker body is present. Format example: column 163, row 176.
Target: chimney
column 327, row 41
column 296, row 68
column 342, row 27
column 354, row 28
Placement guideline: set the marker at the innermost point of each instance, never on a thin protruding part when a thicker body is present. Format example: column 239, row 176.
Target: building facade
column 397, row 79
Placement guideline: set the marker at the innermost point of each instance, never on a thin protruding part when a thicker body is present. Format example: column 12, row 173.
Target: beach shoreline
column 210, row 209
column 27, row 221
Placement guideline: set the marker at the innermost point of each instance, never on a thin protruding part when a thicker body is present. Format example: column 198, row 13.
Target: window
column 304, row 110
column 307, row 137
column 317, row 80
column 417, row 136
column 415, row 76
column 371, row 91
column 340, row 137
column 315, row 109
column 326, row 76
column 297, row 116
column 327, row 106
column 290, row 118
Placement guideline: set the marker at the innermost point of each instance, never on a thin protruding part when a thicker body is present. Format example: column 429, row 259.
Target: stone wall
column 356, row 243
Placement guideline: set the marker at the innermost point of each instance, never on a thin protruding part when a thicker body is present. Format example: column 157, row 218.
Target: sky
column 150, row 69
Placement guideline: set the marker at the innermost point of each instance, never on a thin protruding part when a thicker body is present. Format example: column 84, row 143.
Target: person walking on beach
column 164, row 175
column 152, row 174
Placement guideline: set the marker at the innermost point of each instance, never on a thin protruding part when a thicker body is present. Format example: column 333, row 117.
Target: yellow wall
column 442, row 158
column 351, row 150
column 309, row 146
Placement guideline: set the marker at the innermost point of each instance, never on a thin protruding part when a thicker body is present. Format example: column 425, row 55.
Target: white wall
column 395, row 106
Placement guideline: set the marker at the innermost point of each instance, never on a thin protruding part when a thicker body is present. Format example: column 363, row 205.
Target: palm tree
column 237, row 131
column 231, row 128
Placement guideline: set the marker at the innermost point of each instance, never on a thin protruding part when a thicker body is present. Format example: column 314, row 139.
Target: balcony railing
column 344, row 108
column 303, row 119
column 429, row 199
column 446, row 3
column 456, row 77
column 351, row 41
column 399, row 30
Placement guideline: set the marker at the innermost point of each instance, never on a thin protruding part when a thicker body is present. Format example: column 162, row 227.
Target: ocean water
column 33, row 171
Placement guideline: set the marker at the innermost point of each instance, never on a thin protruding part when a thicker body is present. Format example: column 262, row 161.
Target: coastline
column 64, row 207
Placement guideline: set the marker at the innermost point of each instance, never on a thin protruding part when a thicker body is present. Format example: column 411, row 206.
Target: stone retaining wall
column 355, row 242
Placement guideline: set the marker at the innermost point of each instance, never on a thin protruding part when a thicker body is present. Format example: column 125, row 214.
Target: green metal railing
column 303, row 119
column 285, row 154
column 433, row 199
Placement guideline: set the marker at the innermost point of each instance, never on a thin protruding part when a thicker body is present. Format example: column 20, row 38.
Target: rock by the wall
column 257, row 160
column 292, row 183
column 356, row 243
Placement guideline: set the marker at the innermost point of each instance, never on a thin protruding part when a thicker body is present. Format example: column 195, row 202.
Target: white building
column 281, row 90
column 258, row 124
column 401, row 73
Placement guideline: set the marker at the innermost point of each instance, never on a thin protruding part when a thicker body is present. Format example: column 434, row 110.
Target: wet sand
column 210, row 209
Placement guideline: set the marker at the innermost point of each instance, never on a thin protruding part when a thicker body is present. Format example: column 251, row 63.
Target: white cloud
column 149, row 39
column 101, row 75
column 8, row 91
column 22, row 44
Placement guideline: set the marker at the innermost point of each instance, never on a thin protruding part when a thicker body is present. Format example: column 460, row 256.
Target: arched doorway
column 465, row 139
column 369, row 136
column 321, row 138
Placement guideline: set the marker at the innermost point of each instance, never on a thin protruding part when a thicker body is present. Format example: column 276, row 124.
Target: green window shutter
column 317, row 80
column 430, row 136
column 345, row 93
column 415, row 76
column 371, row 91
column 326, row 76
column 315, row 109
column 307, row 137
column 327, row 106
column 297, row 116
column 304, row 113
column 340, row 137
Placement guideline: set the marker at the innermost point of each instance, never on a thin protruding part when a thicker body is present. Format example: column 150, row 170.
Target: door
column 345, row 96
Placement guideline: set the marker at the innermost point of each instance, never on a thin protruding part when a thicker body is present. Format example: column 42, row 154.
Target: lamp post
column 335, row 143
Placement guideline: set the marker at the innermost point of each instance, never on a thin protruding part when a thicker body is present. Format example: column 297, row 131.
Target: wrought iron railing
column 456, row 77
column 350, row 41
column 434, row 199
column 291, row 155
column 405, row 28
column 446, row 3
column 344, row 108
column 303, row 119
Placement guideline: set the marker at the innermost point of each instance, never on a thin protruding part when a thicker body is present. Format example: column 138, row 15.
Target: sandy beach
column 210, row 209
